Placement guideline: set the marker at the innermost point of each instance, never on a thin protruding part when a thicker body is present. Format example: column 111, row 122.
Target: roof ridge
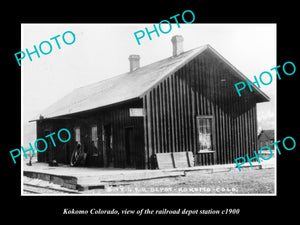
column 124, row 86
column 142, row 67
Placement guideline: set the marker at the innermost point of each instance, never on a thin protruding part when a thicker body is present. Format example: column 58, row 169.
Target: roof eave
column 172, row 71
column 65, row 116
column 260, row 94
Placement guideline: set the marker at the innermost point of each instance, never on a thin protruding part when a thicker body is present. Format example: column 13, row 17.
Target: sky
column 101, row 51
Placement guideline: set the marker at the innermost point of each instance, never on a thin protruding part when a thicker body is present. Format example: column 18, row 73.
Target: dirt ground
column 250, row 181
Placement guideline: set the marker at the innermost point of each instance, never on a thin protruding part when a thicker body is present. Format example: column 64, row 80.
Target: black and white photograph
column 162, row 109
column 149, row 111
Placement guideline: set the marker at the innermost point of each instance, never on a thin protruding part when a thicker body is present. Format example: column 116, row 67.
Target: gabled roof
column 127, row 86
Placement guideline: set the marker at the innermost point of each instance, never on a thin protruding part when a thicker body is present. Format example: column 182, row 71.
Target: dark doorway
column 108, row 156
column 128, row 145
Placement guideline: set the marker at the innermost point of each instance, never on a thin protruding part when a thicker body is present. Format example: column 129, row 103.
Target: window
column 204, row 124
column 94, row 140
column 77, row 135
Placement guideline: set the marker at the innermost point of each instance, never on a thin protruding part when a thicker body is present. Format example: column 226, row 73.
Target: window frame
column 213, row 145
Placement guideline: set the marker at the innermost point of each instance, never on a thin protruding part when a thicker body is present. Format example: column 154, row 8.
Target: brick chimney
column 177, row 42
column 134, row 62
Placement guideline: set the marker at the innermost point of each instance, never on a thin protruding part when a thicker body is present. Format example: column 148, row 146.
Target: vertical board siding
column 194, row 90
column 146, row 146
column 118, row 117
column 202, row 87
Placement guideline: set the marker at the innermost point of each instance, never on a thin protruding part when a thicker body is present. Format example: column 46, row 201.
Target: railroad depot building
column 186, row 102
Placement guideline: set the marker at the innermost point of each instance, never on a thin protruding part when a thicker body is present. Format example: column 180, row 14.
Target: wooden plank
column 253, row 132
column 219, row 130
column 206, row 86
column 228, row 146
column 158, row 120
column 164, row 160
column 243, row 130
column 242, row 152
column 146, row 144
column 222, row 152
column 118, row 142
column 175, row 112
column 239, row 145
column 175, row 160
column 172, row 112
column 191, row 158
column 180, row 159
column 249, row 118
column 235, row 135
column 208, row 77
column 165, row 121
column 184, row 116
column 200, row 89
column 189, row 109
column 228, row 113
column 246, row 131
column 251, row 149
column 224, row 130
column 230, row 139
column 154, row 119
column 149, row 132
column 194, row 129
column 222, row 125
column 255, row 126
column 197, row 92
column 168, row 115
column 205, row 101
column 215, row 89
column 198, row 106
column 104, row 147
column 236, row 124
column 181, row 115
column 161, row 133
column 233, row 126
column 193, row 117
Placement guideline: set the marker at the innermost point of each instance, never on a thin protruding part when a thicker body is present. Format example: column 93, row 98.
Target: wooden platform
column 82, row 178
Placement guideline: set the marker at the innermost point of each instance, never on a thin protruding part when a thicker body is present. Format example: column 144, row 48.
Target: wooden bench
column 175, row 160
